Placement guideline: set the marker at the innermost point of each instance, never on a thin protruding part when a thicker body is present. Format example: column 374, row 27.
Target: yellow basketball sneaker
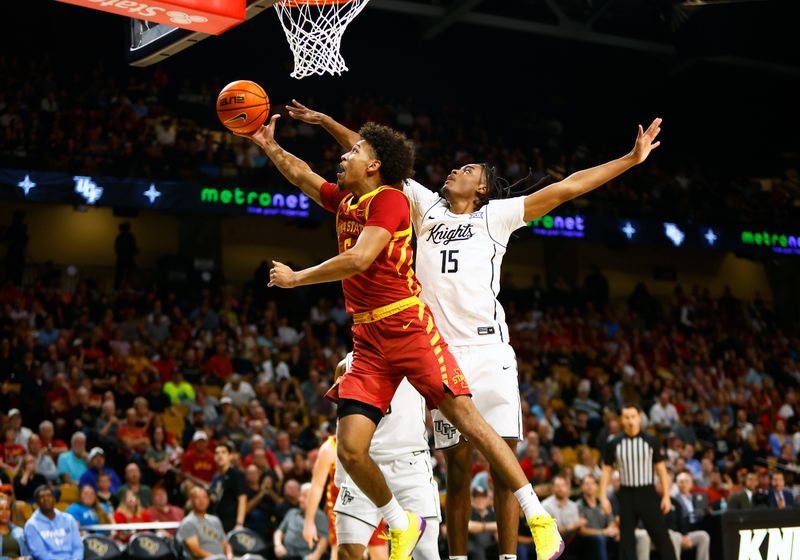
column 548, row 541
column 404, row 542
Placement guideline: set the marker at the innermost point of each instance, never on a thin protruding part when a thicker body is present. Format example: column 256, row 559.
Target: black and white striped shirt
column 634, row 457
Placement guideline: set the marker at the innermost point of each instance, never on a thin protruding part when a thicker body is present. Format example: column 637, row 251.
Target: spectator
column 97, row 465
column 162, row 510
column 240, row 392
column 663, row 414
column 779, row 438
column 11, row 452
column 684, row 520
column 26, row 483
column 584, row 402
column 744, row 499
column 201, row 533
column 72, row 464
column 107, row 424
column 779, row 496
column 288, row 539
column 49, row 442
column 599, row 528
column 586, row 465
column 161, row 456
column 198, row 461
column 45, row 465
column 23, row 433
column 482, row 526
column 89, row 510
column 261, row 500
column 133, row 483
column 132, row 434
column 228, row 489
column 291, row 499
column 104, row 495
column 130, row 511
column 179, row 390
column 12, row 537
column 564, row 510
column 50, row 534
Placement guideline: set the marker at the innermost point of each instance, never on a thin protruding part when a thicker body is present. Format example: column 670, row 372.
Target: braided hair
column 498, row 187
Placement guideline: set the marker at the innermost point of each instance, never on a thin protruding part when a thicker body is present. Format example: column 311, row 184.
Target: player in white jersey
column 400, row 449
column 462, row 234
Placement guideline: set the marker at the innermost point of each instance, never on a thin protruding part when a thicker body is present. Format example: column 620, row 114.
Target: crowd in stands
column 145, row 405
column 158, row 125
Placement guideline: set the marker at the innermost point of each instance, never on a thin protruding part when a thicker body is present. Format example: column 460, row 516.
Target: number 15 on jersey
column 449, row 261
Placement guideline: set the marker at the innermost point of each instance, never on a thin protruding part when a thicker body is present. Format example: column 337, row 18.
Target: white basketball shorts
column 491, row 373
column 410, row 478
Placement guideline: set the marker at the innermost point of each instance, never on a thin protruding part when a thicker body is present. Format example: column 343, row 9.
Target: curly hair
column 394, row 150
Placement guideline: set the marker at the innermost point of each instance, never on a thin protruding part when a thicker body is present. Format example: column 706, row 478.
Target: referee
column 635, row 454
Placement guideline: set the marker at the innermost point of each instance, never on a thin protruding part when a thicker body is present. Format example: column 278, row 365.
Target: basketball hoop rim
column 298, row 3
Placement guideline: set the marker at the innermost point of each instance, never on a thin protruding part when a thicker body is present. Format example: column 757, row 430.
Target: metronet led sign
column 559, row 226
column 779, row 243
column 264, row 203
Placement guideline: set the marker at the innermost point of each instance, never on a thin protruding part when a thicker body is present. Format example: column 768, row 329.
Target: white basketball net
column 314, row 29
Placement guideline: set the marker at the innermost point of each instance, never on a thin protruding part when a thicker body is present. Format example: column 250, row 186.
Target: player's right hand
column 606, row 505
column 264, row 135
column 302, row 113
column 310, row 534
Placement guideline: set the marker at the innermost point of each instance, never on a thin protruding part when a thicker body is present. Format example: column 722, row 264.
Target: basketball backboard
column 150, row 42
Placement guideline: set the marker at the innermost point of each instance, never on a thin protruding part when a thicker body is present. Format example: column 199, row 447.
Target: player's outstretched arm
column 371, row 241
column 581, row 182
column 293, row 168
column 344, row 136
column 325, row 458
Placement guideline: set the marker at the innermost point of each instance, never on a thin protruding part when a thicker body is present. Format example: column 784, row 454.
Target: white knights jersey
column 458, row 263
column 402, row 428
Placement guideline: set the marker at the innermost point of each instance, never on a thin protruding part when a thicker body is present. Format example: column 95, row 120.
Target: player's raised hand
column 265, row 135
column 302, row 113
column 646, row 141
column 281, row 276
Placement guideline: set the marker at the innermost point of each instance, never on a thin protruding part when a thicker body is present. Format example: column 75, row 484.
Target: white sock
column 508, row 557
column 458, row 558
column 394, row 515
column 529, row 502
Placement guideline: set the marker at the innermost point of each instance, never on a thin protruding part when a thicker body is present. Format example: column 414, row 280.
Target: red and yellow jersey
column 390, row 278
column 332, row 492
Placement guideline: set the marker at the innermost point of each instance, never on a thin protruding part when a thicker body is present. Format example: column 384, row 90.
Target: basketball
column 242, row 106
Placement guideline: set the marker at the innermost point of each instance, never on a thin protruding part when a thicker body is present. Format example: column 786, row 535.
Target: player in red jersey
column 394, row 335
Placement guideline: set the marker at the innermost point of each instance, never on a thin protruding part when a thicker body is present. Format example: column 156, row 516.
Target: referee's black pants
column 643, row 503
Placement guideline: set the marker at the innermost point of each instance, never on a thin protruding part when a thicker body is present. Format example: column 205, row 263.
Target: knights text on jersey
column 390, row 277
column 459, row 257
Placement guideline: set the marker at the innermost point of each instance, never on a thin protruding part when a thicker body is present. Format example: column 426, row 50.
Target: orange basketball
column 242, row 106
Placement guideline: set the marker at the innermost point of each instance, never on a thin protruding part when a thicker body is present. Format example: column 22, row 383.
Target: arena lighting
column 152, row 194
column 629, row 230
column 674, row 234
column 26, row 184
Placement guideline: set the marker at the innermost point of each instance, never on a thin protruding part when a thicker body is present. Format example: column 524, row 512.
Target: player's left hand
column 300, row 112
column 281, row 276
column 666, row 504
column 646, row 141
